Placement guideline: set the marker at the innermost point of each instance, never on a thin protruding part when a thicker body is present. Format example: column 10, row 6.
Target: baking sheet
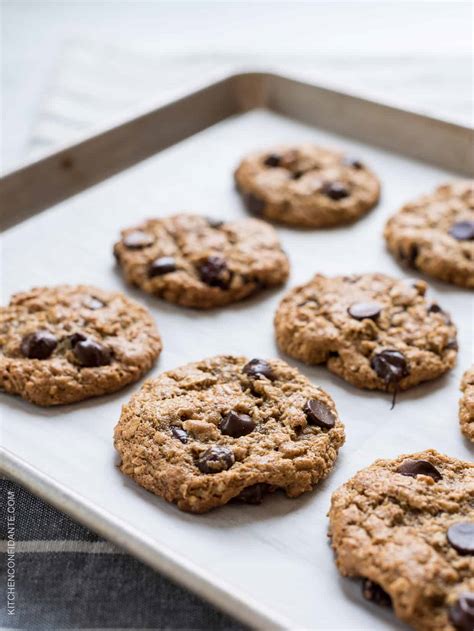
column 271, row 565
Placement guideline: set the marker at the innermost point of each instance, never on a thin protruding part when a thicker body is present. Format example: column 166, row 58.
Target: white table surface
column 68, row 64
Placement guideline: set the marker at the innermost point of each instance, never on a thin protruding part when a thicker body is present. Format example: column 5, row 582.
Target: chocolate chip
column 348, row 161
column 462, row 230
column 216, row 459
column 296, row 175
column 273, row 160
column 413, row 468
column 318, row 413
column 452, row 345
column 91, row 354
column 254, row 494
column 180, row 434
column 258, row 368
column 38, row 345
column 434, row 308
column 138, row 239
column 94, row 303
column 461, row 537
column 461, row 614
column 335, row 190
column 215, row 223
column 161, row 266
column 376, row 594
column 235, row 424
column 75, row 338
column 390, row 365
column 254, row 204
column 214, row 272
column 362, row 310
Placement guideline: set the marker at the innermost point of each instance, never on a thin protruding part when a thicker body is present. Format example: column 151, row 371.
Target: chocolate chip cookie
column 374, row 331
column 226, row 428
column 306, row 186
column 466, row 404
column 203, row 263
column 406, row 527
column 435, row 234
column 67, row 343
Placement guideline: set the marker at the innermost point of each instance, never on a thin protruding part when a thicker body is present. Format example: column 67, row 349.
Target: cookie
column 68, row 343
column 227, row 428
column 435, row 234
column 406, row 527
column 306, row 186
column 203, row 263
column 466, row 404
column 374, row 331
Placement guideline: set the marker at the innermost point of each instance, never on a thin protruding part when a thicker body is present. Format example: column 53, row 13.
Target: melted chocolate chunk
column 273, row 160
column 254, row 204
column 38, row 345
column 362, row 310
column 237, row 424
column 138, row 239
column 296, row 175
column 75, row 338
column 161, row 266
column 452, row 345
column 254, row 494
column 461, row 614
column 413, row 468
column 258, row 368
column 180, row 434
column 335, row 190
column 91, row 354
column 461, row 537
column 462, row 230
column 391, row 366
column 376, row 594
column 411, row 255
column 214, row 272
column 216, row 459
column 318, row 413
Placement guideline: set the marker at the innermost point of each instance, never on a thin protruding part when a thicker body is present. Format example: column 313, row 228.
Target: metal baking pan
column 270, row 565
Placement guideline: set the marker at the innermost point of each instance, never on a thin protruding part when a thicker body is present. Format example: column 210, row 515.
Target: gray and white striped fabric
column 58, row 575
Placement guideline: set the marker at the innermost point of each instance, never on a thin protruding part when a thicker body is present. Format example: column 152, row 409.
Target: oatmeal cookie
column 306, row 186
column 227, row 428
column 372, row 330
column 435, row 234
column 202, row 263
column 406, row 527
column 67, row 343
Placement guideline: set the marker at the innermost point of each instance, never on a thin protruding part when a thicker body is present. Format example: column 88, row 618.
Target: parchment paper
column 276, row 556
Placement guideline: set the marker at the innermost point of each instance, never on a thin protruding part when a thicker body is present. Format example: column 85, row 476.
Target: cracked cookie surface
column 466, row 404
column 202, row 263
column 435, row 233
column 67, row 343
column 227, row 428
column 406, row 526
column 306, row 186
column 372, row 330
